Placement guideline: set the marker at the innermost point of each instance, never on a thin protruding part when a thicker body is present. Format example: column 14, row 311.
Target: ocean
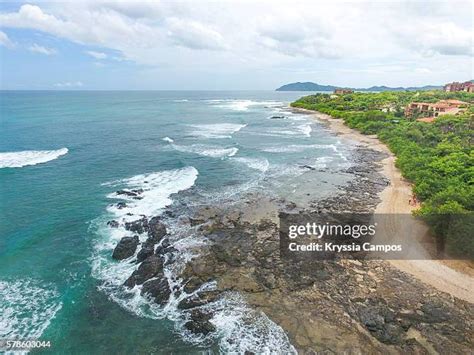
column 63, row 155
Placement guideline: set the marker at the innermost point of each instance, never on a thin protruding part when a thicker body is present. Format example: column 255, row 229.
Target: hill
column 309, row 86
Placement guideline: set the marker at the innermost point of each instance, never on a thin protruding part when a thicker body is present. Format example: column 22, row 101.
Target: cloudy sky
column 233, row 44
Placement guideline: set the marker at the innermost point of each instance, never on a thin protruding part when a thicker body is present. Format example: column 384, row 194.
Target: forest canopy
column 436, row 157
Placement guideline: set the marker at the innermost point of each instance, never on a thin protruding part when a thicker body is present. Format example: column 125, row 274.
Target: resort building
column 432, row 110
column 343, row 91
column 456, row 86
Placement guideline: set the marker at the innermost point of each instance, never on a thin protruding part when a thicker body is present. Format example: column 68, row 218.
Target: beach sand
column 455, row 277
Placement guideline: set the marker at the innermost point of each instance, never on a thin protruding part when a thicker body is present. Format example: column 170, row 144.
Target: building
column 432, row 110
column 456, row 86
column 343, row 91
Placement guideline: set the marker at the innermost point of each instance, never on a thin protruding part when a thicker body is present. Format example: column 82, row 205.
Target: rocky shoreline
column 338, row 306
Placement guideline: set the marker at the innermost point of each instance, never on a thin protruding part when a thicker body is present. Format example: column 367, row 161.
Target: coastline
column 453, row 277
column 218, row 271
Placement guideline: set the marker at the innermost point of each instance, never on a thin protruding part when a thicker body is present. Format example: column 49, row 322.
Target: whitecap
column 295, row 148
column 29, row 157
column 157, row 188
column 168, row 139
column 216, row 130
column 208, row 151
column 27, row 307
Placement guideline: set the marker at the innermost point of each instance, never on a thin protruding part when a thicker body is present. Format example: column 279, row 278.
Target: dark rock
column 223, row 255
column 139, row 226
column 434, row 313
column 156, row 229
column 157, row 288
column 149, row 268
column 380, row 321
column 192, row 285
column 126, row 193
column 146, row 251
column 121, row 205
column 189, row 303
column 113, row 224
column 125, row 248
column 200, row 323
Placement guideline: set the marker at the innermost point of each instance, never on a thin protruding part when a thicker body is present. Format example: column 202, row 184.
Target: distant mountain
column 309, row 86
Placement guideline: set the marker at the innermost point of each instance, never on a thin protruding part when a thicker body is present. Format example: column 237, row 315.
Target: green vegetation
column 436, row 157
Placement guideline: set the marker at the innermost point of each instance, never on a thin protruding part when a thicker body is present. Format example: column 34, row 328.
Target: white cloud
column 97, row 55
column 194, row 35
column 5, row 41
column 445, row 38
column 36, row 48
column 256, row 36
column 69, row 84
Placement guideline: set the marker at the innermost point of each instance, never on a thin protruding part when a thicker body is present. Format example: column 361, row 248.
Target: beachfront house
column 468, row 86
column 340, row 91
column 426, row 112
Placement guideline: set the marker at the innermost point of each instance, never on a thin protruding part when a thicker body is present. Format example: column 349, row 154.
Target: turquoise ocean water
column 62, row 156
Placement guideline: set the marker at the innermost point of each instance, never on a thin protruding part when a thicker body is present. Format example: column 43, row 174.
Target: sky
column 233, row 45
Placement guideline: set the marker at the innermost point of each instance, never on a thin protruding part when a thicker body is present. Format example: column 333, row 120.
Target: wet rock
column 125, row 248
column 199, row 323
column 113, row 224
column 128, row 193
column 149, row 268
column 139, row 226
column 146, row 251
column 192, row 285
column 156, row 229
column 189, row 303
column 158, row 289
column 121, row 205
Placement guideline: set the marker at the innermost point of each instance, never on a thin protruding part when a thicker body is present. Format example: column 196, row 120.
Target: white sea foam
column 241, row 328
column 216, row 130
column 168, row 139
column 206, row 150
column 243, row 105
column 260, row 164
column 26, row 308
column 181, row 100
column 29, row 157
column 305, row 129
column 157, row 189
column 295, row 148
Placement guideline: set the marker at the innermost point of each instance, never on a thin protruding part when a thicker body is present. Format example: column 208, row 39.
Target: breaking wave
column 216, row 130
column 29, row 157
column 208, row 151
column 157, row 189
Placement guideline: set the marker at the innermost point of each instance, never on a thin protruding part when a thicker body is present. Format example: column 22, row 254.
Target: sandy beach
column 451, row 276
